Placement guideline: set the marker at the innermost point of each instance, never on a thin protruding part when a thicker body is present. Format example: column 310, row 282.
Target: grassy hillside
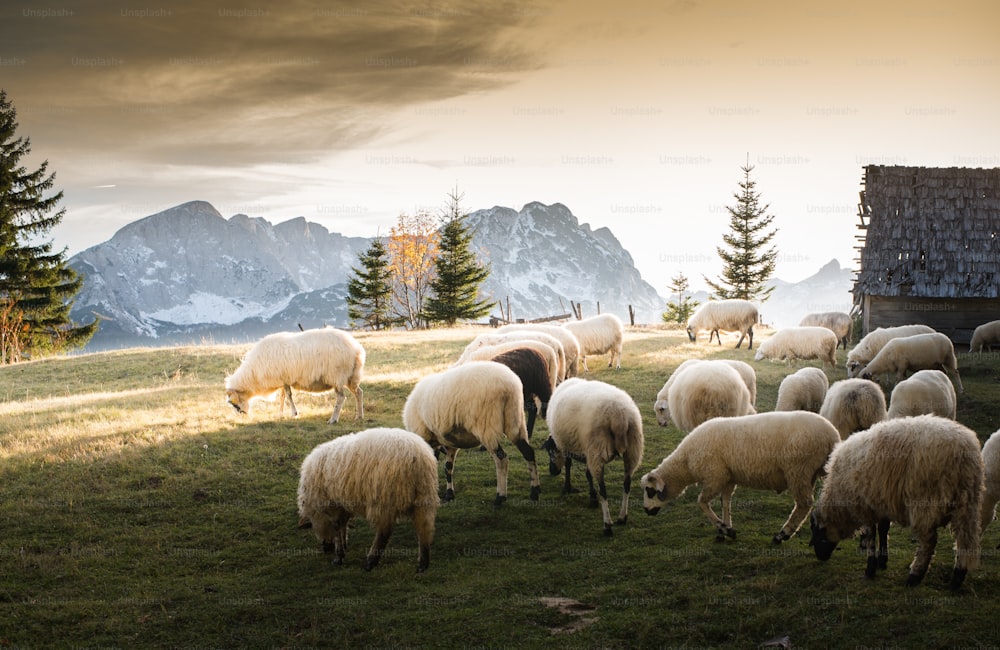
column 137, row 509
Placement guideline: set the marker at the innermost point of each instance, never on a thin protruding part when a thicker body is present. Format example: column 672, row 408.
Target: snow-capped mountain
column 190, row 274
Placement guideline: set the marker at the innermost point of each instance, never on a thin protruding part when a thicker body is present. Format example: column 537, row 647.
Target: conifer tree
column 680, row 311
column 748, row 261
column 36, row 285
column 455, row 287
column 369, row 291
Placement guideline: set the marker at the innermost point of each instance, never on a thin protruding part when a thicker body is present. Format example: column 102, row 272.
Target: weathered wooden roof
column 930, row 232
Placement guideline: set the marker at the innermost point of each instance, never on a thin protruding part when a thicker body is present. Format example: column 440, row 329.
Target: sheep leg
column 359, row 402
column 532, row 414
column 336, row 542
column 926, row 543
column 286, row 394
column 449, row 473
column 593, row 493
column 704, row 502
column 583, row 360
column 501, row 462
column 727, row 509
column 341, row 398
column 630, row 467
column 567, row 487
column 883, row 543
column 866, row 543
column 803, row 496
column 596, row 469
column 423, row 522
column 529, row 456
column 378, row 547
column 965, row 528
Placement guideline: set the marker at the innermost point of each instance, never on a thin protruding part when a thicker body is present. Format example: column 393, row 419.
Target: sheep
column 595, row 422
column 925, row 391
column 809, row 342
column 702, row 389
column 499, row 338
column 853, row 405
column 917, row 352
column 991, row 479
column 599, row 335
column 802, row 391
column 381, row 474
column 476, row 403
column 923, row 472
column 868, row 347
column 837, row 322
column 732, row 315
column 314, row 361
column 528, row 360
column 784, row 450
column 985, row 337
column 571, row 346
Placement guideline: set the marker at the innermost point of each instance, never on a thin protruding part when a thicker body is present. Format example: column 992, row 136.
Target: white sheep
column 991, row 479
column 732, row 315
column 868, row 347
column 779, row 451
column 463, row 407
column 380, row 474
column 500, row 338
column 917, row 352
column 925, row 391
column 985, row 337
column 571, row 346
column 837, row 322
column 595, row 422
column 701, row 389
column 599, row 335
column 853, row 405
column 809, row 342
column 922, row 472
column 314, row 361
column 803, row 390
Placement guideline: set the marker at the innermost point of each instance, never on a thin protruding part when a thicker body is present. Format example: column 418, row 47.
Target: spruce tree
column 369, row 291
column 748, row 261
column 680, row 311
column 36, row 286
column 455, row 287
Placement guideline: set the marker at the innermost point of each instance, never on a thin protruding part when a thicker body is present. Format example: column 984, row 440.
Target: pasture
column 137, row 509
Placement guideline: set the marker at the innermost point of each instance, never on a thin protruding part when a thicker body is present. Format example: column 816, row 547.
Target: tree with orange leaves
column 412, row 247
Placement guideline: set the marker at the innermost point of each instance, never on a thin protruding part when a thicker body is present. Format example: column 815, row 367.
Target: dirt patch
column 580, row 611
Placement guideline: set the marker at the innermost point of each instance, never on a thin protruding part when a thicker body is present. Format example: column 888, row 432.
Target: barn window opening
column 922, row 261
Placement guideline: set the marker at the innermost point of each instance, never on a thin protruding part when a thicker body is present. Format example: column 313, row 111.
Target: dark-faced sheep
column 463, row 407
column 595, row 422
column 380, row 474
column 314, row 361
column 922, row 472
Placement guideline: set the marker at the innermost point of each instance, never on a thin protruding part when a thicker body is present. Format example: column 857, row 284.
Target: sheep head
column 820, row 540
column 655, row 493
column 239, row 400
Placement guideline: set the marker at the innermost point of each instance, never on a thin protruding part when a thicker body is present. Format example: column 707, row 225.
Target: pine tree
column 747, row 265
column 455, row 287
column 369, row 291
column 36, row 286
column 680, row 311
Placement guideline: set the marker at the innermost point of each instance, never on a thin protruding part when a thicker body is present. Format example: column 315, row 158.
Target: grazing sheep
column 803, row 390
column 991, row 479
column 837, row 322
column 534, row 363
column 917, row 352
column 380, row 474
column 702, row 389
column 595, row 422
column 767, row 451
column 809, row 342
column 925, row 391
column 868, row 347
column 314, row 361
column 923, row 472
column 599, row 335
column 500, row 338
column 731, row 315
column 985, row 337
column 477, row 403
column 853, row 405
column 571, row 346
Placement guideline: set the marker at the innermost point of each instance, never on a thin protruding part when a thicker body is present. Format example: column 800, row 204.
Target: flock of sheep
column 906, row 460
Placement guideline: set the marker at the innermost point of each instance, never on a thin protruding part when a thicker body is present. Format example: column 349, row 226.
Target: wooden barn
column 930, row 248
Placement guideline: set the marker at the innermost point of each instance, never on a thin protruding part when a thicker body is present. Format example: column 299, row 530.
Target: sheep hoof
column 370, row 563
column 328, row 547
column 913, row 579
column 535, row 491
column 499, row 501
column 553, row 470
column 780, row 537
column 449, row 495
column 608, row 532
column 720, row 538
column 571, row 490
column 622, row 521
column 730, row 532
column 957, row 578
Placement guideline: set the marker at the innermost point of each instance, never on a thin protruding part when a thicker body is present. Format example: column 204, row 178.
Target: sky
column 638, row 115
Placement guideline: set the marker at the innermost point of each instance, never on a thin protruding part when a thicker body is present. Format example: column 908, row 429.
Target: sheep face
column 852, row 368
column 239, row 400
column 654, row 494
column 556, row 458
column 691, row 336
column 662, row 410
column 820, row 540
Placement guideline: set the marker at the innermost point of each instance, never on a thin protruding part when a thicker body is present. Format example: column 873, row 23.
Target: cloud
column 276, row 81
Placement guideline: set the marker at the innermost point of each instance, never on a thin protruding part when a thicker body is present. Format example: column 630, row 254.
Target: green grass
column 137, row 509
